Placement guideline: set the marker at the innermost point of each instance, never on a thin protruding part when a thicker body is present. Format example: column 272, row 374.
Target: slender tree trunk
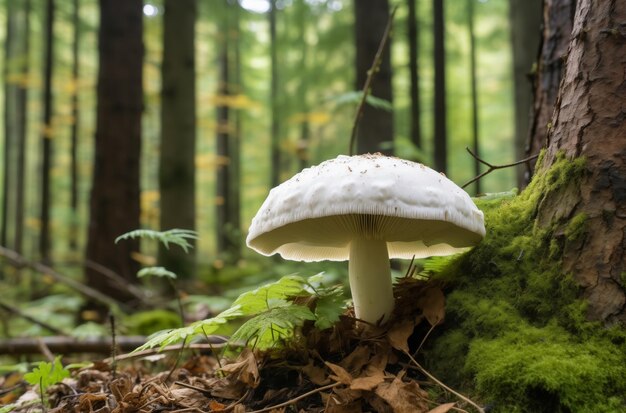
column 178, row 130
column 47, row 135
column 10, row 58
column 589, row 122
column 114, row 204
column 474, row 89
column 375, row 133
column 303, row 143
column 22, row 111
column 441, row 134
column 235, row 153
column 223, row 172
column 525, row 18
column 413, row 41
column 558, row 18
column 74, row 129
column 275, row 155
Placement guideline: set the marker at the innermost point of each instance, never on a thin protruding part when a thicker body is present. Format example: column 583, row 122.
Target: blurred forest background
column 275, row 89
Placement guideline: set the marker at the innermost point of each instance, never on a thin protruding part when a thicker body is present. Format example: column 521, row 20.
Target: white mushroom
column 366, row 209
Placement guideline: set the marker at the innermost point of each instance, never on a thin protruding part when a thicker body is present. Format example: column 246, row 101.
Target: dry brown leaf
column 399, row 335
column 216, row 406
column 334, row 406
column 401, row 397
column 443, row 408
column 367, row 383
column 341, row 375
column 433, row 305
column 245, row 368
column 316, row 374
column 355, row 361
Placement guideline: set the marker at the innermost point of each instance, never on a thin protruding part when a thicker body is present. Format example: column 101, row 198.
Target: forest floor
column 349, row 368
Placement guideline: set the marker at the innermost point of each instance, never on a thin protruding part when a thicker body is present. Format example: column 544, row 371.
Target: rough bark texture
column 376, row 125
column 275, row 154
column 178, row 131
column 525, row 17
column 558, row 16
column 414, row 93
column 590, row 121
column 74, row 128
column 114, row 205
column 441, row 138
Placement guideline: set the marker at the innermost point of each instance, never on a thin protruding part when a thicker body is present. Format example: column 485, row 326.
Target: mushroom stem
column 370, row 280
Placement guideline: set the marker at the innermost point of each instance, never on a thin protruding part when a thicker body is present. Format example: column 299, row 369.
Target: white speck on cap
column 314, row 215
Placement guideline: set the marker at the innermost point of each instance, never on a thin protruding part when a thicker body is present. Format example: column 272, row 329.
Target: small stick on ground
column 493, row 167
column 297, row 399
column 438, row 382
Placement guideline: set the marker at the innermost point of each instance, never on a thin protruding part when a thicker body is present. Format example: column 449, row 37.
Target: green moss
column 576, row 227
column 515, row 331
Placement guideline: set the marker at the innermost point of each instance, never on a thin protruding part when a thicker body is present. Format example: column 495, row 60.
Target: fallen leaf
column 216, row 406
column 355, row 361
column 399, row 335
column 316, row 374
column 341, row 375
column 442, row 408
column 245, row 368
column 433, row 305
column 401, row 396
column 367, row 383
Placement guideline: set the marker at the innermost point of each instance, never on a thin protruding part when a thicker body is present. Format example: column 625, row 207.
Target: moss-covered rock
column 516, row 335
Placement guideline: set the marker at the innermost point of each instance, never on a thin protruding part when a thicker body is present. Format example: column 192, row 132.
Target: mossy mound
column 516, row 334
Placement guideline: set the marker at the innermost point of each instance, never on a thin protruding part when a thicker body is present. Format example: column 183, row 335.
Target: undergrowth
column 516, row 331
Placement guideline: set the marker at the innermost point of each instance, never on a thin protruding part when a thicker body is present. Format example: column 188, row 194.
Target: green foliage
column 147, row 322
column 160, row 272
column 354, row 98
column 275, row 317
column 46, row 374
column 174, row 236
column 516, row 328
column 8, row 408
column 89, row 329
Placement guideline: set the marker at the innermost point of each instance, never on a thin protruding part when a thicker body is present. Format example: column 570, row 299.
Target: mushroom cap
column 314, row 215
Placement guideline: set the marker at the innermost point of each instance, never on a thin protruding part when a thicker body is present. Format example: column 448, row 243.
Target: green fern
column 258, row 300
column 156, row 272
column 175, row 236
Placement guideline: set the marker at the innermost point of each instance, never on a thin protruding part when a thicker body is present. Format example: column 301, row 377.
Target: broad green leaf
column 329, row 306
column 257, row 300
column 156, row 272
column 46, row 374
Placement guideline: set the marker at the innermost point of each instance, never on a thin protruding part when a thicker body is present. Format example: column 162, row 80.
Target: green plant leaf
column 354, row 98
column 329, row 306
column 273, row 325
column 175, row 236
column 46, row 374
column 156, row 272
column 257, row 300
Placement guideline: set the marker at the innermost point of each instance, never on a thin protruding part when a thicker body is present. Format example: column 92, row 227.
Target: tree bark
column 589, row 121
column 474, row 90
column 275, row 154
column 178, row 131
column 73, row 241
column 375, row 132
column 235, row 153
column 413, row 41
column 440, row 115
column 47, row 135
column 114, row 204
column 558, row 17
column 525, row 17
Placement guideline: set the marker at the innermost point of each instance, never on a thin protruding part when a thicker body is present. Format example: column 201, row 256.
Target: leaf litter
column 348, row 368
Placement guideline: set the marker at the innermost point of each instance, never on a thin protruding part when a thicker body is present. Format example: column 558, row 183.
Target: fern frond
column 175, row 236
column 259, row 300
column 273, row 325
column 156, row 272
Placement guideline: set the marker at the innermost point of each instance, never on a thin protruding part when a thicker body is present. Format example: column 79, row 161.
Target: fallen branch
column 297, row 399
column 67, row 345
column 14, row 310
column 19, row 261
column 493, row 167
column 370, row 76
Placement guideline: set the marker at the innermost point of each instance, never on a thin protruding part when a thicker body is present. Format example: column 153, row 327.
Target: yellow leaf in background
column 47, row 131
column 71, row 86
column 211, row 161
column 219, row 200
column 318, row 118
column 239, row 101
column 33, row 223
column 24, row 80
column 47, row 279
column 143, row 259
column 149, row 197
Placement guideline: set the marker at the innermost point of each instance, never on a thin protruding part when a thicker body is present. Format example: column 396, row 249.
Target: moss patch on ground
column 515, row 334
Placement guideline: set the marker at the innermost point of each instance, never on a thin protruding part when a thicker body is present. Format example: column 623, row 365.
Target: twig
column 433, row 378
column 19, row 261
column 432, row 327
column 174, row 347
column 45, row 350
column 14, row 310
column 117, row 279
column 297, row 399
column 370, row 77
column 494, row 167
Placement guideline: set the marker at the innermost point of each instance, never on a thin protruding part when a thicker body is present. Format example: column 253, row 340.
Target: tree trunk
column 22, row 111
column 439, row 50
column 11, row 55
column 305, row 130
column 275, row 154
column 375, row 133
column 413, row 41
column 557, row 27
column 47, row 135
column 235, row 152
column 589, row 122
column 73, row 241
column 525, row 17
column 114, row 204
column 223, row 172
column 474, row 90
column 178, row 131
